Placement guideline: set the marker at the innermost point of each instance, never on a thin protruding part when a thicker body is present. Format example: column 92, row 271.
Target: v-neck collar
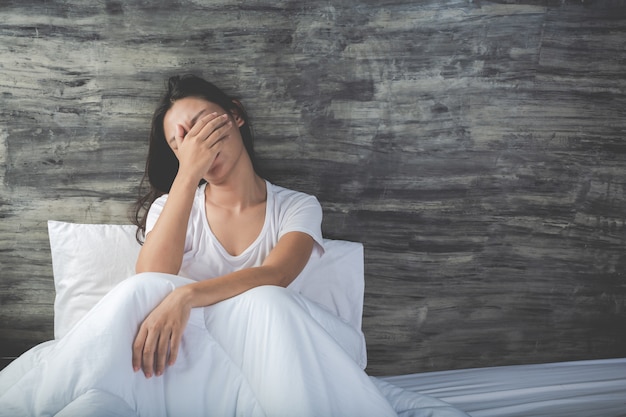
column 269, row 204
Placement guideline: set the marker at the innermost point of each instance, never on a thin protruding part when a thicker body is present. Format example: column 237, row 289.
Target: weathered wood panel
column 477, row 149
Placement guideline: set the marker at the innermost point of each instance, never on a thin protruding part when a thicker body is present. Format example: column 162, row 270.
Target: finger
column 210, row 128
column 180, row 135
column 161, row 353
column 201, row 123
column 174, row 345
column 138, row 346
column 220, row 134
column 147, row 357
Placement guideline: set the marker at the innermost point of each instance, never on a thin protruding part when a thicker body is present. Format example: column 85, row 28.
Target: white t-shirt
column 204, row 256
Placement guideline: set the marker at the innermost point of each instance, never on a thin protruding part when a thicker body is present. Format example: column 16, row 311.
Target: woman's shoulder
column 286, row 197
column 283, row 193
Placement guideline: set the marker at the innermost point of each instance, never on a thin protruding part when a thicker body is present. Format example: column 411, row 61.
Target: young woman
column 217, row 219
column 206, row 328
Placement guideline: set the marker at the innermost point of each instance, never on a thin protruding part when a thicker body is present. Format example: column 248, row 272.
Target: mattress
column 595, row 388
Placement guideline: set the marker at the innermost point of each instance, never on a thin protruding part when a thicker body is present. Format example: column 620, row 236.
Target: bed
column 594, row 388
column 89, row 260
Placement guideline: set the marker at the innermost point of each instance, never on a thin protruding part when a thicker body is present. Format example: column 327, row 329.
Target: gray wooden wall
column 476, row 148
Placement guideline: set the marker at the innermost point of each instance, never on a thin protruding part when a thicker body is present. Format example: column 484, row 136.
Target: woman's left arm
column 162, row 330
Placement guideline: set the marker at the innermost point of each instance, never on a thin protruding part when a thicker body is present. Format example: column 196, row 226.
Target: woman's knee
column 268, row 293
column 268, row 298
column 145, row 285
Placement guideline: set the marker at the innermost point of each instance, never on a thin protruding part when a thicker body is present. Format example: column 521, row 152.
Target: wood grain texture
column 477, row 149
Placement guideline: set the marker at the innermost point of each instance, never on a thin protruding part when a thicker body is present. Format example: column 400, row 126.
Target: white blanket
column 267, row 352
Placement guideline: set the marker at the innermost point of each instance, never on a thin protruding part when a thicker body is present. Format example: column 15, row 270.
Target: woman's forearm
column 208, row 292
column 280, row 268
column 164, row 246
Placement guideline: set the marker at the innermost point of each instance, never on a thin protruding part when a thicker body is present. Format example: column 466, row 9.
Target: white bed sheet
column 595, row 388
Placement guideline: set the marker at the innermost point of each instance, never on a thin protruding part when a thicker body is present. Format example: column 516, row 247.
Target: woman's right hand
column 197, row 149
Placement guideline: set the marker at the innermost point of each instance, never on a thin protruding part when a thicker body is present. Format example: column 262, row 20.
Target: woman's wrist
column 186, row 295
column 186, row 180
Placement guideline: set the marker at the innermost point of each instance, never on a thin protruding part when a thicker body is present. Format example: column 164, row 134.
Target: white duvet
column 267, row 352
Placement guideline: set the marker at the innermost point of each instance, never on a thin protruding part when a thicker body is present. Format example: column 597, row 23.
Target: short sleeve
column 155, row 211
column 304, row 214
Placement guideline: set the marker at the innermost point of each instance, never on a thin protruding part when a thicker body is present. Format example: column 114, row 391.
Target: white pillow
column 88, row 260
column 336, row 280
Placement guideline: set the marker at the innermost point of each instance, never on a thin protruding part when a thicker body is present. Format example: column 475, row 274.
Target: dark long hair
column 162, row 164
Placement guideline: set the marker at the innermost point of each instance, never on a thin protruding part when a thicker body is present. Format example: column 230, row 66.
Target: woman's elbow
column 283, row 278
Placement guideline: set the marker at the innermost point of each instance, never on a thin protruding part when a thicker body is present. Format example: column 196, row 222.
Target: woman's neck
column 237, row 195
